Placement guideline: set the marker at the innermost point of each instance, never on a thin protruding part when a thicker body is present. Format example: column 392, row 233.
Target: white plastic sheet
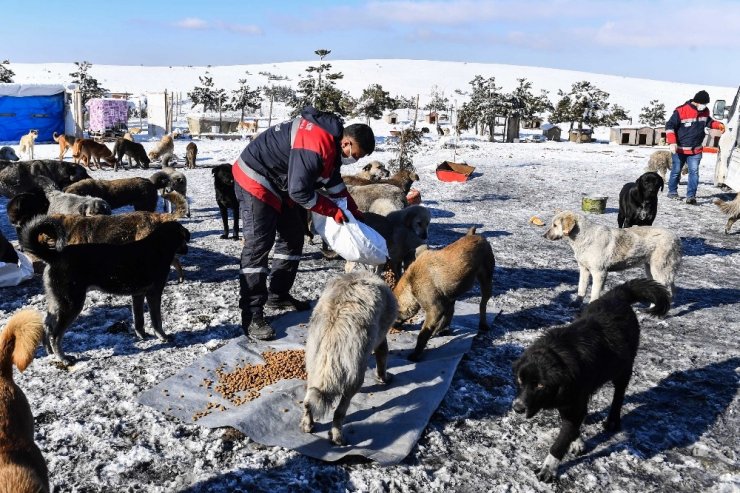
column 14, row 274
column 354, row 240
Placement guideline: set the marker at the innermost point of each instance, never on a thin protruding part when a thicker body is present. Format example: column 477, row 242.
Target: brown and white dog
column 191, row 153
column 87, row 150
column 22, row 467
column 65, row 142
column 28, row 142
column 163, row 147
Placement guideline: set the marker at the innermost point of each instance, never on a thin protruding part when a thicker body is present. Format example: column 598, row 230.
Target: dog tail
column 18, row 341
column 44, row 237
column 180, row 204
column 645, row 291
column 55, row 136
column 731, row 208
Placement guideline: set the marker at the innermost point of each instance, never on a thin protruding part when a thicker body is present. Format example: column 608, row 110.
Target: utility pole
column 416, row 111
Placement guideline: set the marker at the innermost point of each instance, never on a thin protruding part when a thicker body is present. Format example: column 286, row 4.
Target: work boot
column 277, row 302
column 256, row 327
column 691, row 201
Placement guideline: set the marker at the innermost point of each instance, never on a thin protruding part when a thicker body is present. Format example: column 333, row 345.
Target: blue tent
column 31, row 106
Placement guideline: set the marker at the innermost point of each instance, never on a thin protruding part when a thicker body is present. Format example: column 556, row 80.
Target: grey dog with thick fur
column 349, row 322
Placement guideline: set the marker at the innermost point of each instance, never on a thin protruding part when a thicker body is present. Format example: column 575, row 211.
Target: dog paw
column 235, row 238
column 545, row 475
column 140, row 335
column 306, row 426
column 385, row 379
column 576, row 303
column 336, row 437
column 577, row 447
column 224, row 237
column 612, row 426
column 164, row 338
column 415, row 357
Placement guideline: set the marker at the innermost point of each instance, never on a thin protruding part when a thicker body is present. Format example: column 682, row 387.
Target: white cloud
column 192, row 23
column 200, row 24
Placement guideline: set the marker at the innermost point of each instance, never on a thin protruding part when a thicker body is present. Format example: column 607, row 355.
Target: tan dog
column 732, row 208
column 402, row 179
column 372, row 171
column 22, row 467
column 191, row 153
column 437, row 278
column 65, row 142
column 28, row 142
column 602, row 249
column 87, row 150
column 134, row 130
column 163, row 147
column 247, row 127
column 661, row 162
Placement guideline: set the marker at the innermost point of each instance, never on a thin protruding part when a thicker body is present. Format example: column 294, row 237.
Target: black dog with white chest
column 566, row 365
column 223, row 183
column 139, row 269
column 638, row 201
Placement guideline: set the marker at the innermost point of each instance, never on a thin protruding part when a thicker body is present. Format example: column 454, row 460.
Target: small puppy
column 732, row 208
column 165, row 146
column 28, row 142
column 565, row 366
column 349, row 323
column 191, row 153
column 22, row 467
column 7, row 153
column 223, row 183
column 139, row 269
column 139, row 192
column 87, row 151
column 661, row 162
column 437, row 278
column 130, row 149
column 638, row 201
column 601, row 249
column 65, row 142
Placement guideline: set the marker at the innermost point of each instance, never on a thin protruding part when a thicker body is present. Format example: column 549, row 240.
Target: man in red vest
column 275, row 180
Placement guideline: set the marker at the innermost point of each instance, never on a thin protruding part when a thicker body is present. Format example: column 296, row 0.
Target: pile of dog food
column 244, row 383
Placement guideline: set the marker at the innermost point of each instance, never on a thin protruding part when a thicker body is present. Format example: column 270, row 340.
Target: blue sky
column 678, row 40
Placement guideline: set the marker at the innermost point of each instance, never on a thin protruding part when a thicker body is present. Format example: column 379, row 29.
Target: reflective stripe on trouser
column 260, row 225
column 692, row 162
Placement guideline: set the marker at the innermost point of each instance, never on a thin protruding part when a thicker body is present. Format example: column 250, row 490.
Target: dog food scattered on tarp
column 413, row 197
column 593, row 204
column 449, row 171
column 536, row 221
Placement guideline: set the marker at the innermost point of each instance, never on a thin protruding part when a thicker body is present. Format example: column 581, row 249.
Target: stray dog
column 164, row 146
column 437, row 278
column 350, row 322
column 223, row 183
column 8, row 254
column 70, row 203
column 134, row 130
column 25, row 206
column 22, row 467
column 7, row 153
column 371, row 172
column 28, row 142
column 638, row 201
column 601, row 249
column 191, row 153
column 661, row 162
column 170, row 180
column 385, row 206
column 566, row 365
column 402, row 179
column 130, row 149
column 365, row 195
column 65, row 142
column 138, row 192
column 139, row 269
column 732, row 208
column 19, row 177
column 87, row 150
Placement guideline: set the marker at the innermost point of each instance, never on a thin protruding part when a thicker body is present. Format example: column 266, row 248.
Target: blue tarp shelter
column 31, row 106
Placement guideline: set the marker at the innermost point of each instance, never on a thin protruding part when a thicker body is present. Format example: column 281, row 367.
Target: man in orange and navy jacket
column 685, row 132
column 275, row 180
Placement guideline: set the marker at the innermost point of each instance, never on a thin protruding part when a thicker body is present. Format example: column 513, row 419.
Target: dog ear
column 568, row 222
column 367, row 167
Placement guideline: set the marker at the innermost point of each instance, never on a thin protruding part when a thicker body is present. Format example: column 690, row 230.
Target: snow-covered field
column 681, row 427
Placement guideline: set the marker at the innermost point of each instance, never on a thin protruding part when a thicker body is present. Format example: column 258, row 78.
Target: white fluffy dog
column 27, row 143
column 600, row 249
column 349, row 322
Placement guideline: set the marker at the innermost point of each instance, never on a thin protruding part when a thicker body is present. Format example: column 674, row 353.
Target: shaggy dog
column 437, row 278
column 139, row 269
column 601, row 249
column 8, row 154
column 130, row 149
column 19, row 177
column 402, row 179
column 28, row 142
column 87, row 150
column 566, row 365
column 365, row 195
column 170, row 180
column 139, row 192
column 164, row 146
column 191, row 154
column 661, row 162
column 732, row 208
column 638, row 201
column 349, row 323
column 25, row 206
column 65, row 142
column 223, row 183
column 371, row 172
column 22, row 467
column 69, row 203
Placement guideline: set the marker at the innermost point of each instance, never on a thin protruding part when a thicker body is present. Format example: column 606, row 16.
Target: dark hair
column 363, row 134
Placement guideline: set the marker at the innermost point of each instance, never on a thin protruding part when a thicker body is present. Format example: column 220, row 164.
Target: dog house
column 532, row 123
column 551, row 132
column 391, row 118
column 108, row 117
column 645, row 136
column 25, row 107
column 623, row 136
column 431, row 117
column 659, row 136
column 583, row 135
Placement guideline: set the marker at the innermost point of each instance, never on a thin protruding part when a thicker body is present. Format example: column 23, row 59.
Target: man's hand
column 673, row 148
column 340, row 217
column 721, row 127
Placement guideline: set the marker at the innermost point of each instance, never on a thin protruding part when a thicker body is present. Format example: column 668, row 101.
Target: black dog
column 565, row 366
column 125, row 147
column 223, row 182
column 638, row 201
column 20, row 176
column 139, row 269
column 7, row 252
column 25, row 206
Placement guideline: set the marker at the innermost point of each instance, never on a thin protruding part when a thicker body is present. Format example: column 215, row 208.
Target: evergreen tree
column 206, row 94
column 437, row 100
column 318, row 89
column 6, row 75
column 486, row 103
column 407, row 145
column 654, row 114
column 526, row 104
column 87, row 84
column 586, row 104
column 373, row 102
column 243, row 98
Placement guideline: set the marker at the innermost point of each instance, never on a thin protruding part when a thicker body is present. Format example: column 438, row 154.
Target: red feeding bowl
column 413, row 197
column 449, row 171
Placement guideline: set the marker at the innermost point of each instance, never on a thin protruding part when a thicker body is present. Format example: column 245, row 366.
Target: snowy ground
column 680, row 419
